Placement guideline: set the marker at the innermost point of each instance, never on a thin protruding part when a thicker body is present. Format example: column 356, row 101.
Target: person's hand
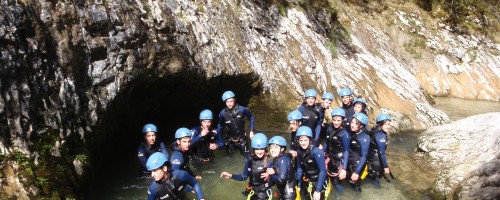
column 226, row 175
column 265, row 176
column 270, row 171
column 213, row 146
column 354, row 177
column 293, row 152
column 387, row 170
column 204, row 131
column 342, row 174
column 251, row 134
column 198, row 177
column 316, row 195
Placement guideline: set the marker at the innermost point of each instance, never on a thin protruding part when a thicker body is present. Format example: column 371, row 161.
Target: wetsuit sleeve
column 327, row 141
column 346, row 143
column 220, row 125
column 381, row 144
column 177, row 160
column 188, row 179
column 318, row 132
column 244, row 175
column 152, row 189
column 364, row 142
column 164, row 150
column 282, row 176
column 300, row 172
column 220, row 141
column 196, row 135
column 320, row 161
column 141, row 154
column 250, row 117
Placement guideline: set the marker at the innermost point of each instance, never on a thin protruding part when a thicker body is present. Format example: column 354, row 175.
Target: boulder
column 466, row 154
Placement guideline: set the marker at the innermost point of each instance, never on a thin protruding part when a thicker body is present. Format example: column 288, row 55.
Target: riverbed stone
column 466, row 154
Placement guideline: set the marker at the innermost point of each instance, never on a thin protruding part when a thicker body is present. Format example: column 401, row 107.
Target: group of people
column 309, row 168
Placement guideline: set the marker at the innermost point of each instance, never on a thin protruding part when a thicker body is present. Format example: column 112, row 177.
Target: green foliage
column 81, row 157
column 415, row 47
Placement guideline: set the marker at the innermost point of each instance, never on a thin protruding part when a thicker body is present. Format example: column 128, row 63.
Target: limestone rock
column 467, row 154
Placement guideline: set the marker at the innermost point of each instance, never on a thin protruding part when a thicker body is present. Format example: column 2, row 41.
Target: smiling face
column 275, row 150
column 326, row 103
column 260, row 152
column 150, row 138
column 337, row 121
column 358, row 107
column 356, row 126
column 304, row 142
column 184, row 143
column 310, row 101
column 386, row 127
column 346, row 100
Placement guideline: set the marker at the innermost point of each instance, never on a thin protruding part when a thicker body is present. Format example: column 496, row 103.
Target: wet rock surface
column 466, row 154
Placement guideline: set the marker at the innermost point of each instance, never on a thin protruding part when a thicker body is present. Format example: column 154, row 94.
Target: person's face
column 275, row 150
column 294, row 125
column 260, row 152
column 355, row 125
column 150, row 138
column 358, row 108
column 304, row 142
column 230, row 103
column 327, row 103
column 337, row 121
column 386, row 127
column 310, row 101
column 205, row 124
column 346, row 100
column 159, row 174
column 184, row 143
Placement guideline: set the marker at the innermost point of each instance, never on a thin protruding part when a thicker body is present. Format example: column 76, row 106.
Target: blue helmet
column 345, row 92
column 279, row 140
column 295, row 115
column 338, row 112
column 182, row 132
column 156, row 160
column 227, row 95
column 382, row 117
column 206, row 114
column 259, row 141
column 327, row 95
column 310, row 93
column 149, row 128
column 359, row 99
column 304, row 131
column 361, row 118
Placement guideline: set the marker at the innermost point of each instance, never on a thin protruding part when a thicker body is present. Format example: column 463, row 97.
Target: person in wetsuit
column 169, row 185
column 324, row 110
column 337, row 149
column 295, row 121
column 377, row 160
column 311, row 172
column 256, row 170
column 150, row 145
column 181, row 151
column 346, row 98
column 358, row 150
column 231, row 119
column 281, row 169
column 205, row 139
column 310, row 115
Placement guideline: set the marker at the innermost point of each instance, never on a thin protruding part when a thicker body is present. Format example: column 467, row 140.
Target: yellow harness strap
column 310, row 189
column 364, row 173
column 250, row 194
column 298, row 193
column 328, row 188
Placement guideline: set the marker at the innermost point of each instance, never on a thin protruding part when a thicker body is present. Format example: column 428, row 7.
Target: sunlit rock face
column 466, row 155
column 62, row 63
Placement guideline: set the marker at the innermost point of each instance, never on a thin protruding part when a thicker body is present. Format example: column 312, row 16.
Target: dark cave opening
column 170, row 102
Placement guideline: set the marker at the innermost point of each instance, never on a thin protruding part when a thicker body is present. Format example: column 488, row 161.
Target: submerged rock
column 466, row 154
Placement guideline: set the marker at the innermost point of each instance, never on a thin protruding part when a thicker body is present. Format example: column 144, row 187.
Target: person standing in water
column 281, row 169
column 149, row 145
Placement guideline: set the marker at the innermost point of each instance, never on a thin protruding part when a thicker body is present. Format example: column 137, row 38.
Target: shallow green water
column 411, row 180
